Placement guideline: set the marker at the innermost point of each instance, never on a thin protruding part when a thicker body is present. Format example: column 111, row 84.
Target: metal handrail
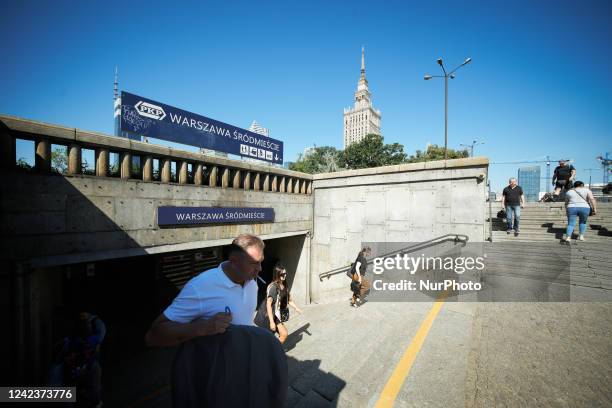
column 456, row 238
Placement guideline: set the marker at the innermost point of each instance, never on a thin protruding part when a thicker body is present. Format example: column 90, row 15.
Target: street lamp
column 446, row 76
column 471, row 146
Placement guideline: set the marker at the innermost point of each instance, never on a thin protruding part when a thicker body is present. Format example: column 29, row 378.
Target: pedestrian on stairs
column 579, row 202
column 513, row 200
column 359, row 284
column 563, row 176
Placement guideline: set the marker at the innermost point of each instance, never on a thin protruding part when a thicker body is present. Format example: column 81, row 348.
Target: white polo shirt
column 209, row 293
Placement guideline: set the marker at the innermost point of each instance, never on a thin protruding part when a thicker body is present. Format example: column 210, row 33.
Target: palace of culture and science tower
column 362, row 119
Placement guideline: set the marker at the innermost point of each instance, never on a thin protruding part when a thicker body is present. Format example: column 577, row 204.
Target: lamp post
column 471, row 146
column 446, row 76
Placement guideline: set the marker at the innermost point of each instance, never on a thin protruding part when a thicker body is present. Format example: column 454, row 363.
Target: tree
column 435, row 152
column 323, row 159
column 23, row 164
column 372, row 152
column 59, row 160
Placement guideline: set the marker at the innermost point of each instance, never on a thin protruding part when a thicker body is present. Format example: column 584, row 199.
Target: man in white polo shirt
column 201, row 308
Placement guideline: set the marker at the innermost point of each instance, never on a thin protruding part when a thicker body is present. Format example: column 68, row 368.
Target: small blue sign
column 216, row 215
column 142, row 116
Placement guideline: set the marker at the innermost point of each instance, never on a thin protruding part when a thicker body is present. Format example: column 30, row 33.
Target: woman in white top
column 578, row 203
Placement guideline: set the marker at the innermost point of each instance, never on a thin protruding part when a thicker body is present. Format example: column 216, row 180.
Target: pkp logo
column 150, row 111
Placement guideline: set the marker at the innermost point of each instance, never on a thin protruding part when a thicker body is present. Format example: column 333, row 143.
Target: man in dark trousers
column 563, row 175
column 513, row 200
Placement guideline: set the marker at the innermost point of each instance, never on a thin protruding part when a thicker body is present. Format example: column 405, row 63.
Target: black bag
column 501, row 214
column 351, row 271
column 284, row 314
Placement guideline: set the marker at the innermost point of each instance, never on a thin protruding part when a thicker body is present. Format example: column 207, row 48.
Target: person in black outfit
column 360, row 285
column 513, row 200
column 563, row 175
column 274, row 309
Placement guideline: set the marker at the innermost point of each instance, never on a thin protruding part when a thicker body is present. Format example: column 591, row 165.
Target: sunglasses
column 283, row 274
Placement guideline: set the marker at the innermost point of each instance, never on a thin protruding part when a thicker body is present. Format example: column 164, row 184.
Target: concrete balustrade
column 42, row 161
column 223, row 172
column 165, row 170
column 126, row 165
column 236, row 180
column 147, row 169
column 102, row 162
column 74, row 159
column 183, row 173
column 198, row 177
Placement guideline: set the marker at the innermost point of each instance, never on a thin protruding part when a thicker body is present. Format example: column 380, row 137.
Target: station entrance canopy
column 150, row 118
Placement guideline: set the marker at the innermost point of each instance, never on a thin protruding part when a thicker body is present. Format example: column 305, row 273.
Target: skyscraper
column 529, row 180
column 362, row 119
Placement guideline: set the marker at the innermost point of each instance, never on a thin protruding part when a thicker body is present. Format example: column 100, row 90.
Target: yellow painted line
column 394, row 384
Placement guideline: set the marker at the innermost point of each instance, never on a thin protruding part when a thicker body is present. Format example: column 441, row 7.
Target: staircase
column 538, row 252
column 547, row 222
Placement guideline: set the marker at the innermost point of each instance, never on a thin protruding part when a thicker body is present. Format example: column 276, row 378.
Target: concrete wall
column 404, row 203
column 50, row 219
column 294, row 253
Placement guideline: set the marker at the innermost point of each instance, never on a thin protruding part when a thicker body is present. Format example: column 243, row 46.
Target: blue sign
column 216, row 215
column 146, row 117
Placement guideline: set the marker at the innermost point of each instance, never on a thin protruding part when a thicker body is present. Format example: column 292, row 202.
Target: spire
column 362, row 62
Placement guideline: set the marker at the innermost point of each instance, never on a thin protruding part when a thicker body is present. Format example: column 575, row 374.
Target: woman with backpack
column 274, row 309
column 579, row 202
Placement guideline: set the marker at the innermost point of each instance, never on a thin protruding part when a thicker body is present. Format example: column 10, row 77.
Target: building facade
column 529, row 180
column 362, row 118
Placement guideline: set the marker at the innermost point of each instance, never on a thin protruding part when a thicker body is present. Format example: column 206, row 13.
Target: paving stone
column 314, row 400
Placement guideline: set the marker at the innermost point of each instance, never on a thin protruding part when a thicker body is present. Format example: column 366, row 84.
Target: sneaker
column 564, row 237
column 508, row 231
column 516, row 233
column 581, row 238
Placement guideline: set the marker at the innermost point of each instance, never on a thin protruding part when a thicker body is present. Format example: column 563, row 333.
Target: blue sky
column 539, row 83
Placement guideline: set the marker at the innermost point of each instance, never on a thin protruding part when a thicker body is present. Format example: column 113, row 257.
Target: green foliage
column 372, row 152
column 323, row 159
column 23, row 164
column 369, row 152
column 59, row 160
column 435, row 152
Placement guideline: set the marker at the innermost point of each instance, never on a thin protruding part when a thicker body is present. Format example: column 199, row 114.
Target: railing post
column 102, row 162
column 74, row 159
column 302, row 186
column 198, row 176
column 309, row 189
column 225, row 175
column 182, row 179
column 247, row 181
column 7, row 147
column 212, row 178
column 275, row 183
column 289, row 185
column 42, row 161
column 236, row 180
column 126, row 165
column 165, row 171
column 147, row 169
column 257, row 182
column 282, row 188
column 266, row 182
